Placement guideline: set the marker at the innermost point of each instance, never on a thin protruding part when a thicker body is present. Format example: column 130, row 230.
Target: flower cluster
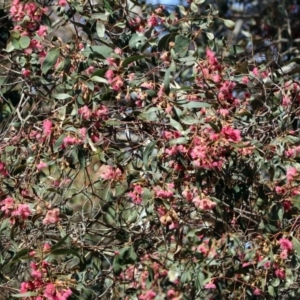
column 15, row 211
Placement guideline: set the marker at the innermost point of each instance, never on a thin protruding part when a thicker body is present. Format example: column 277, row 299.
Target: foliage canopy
column 142, row 159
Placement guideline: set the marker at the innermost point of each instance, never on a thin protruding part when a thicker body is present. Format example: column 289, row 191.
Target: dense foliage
column 142, row 159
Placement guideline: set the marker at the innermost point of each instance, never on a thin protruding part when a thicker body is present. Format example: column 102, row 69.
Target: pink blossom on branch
column 285, row 244
column 52, row 216
column 210, row 286
column 204, row 204
column 291, row 173
column 109, row 173
column 42, row 165
column 47, row 127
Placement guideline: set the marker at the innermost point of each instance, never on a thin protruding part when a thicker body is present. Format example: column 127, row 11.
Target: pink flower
column 26, row 72
column 110, row 173
column 164, row 194
column 285, row 244
column 212, row 60
column 52, row 216
column 291, row 173
column 62, row 2
column 46, row 248
column 223, row 112
column 118, row 51
column 257, row 292
column 280, row 273
column 136, row 194
column 23, row 211
column 204, row 204
column 216, row 78
column 83, row 132
column 152, row 21
column 245, row 80
column 210, row 286
column 8, row 205
column 284, row 254
column 42, row 165
column 100, row 112
column 149, row 295
column 109, row 75
column 3, row 170
column 117, row 83
column 280, row 190
column 203, row 249
column 255, row 72
column 90, row 70
column 68, row 141
column 233, row 135
column 286, row 100
column 85, row 112
column 47, row 127
column 111, row 62
column 42, row 32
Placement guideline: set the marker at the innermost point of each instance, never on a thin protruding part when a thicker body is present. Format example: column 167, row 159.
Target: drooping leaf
column 100, row 28
column 131, row 59
column 167, row 82
column 50, row 60
column 229, row 24
column 62, row 96
column 25, row 295
column 147, row 152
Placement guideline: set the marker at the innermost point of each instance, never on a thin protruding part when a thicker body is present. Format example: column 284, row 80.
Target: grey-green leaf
column 50, row 60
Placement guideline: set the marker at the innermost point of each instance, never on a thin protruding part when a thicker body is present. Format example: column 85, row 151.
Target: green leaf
column 24, row 42
column 59, row 243
column 271, row 291
column 132, row 255
column 296, row 201
column 100, row 28
column 10, row 148
column 25, row 295
column 178, row 141
column 50, row 60
column 194, row 7
column 9, row 47
column 176, row 125
column 116, row 266
column 296, row 246
column 163, row 43
column 65, row 252
column 196, row 104
column 182, row 44
column 21, row 254
column 69, row 252
column 150, row 277
column 189, row 120
column 167, row 82
column 131, row 59
column 201, row 279
column 102, row 51
column 280, row 214
column 15, row 43
column 147, row 152
column 137, row 41
column 62, row 96
column 275, row 282
column 229, row 24
column 99, row 79
column 210, row 35
column 58, row 143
